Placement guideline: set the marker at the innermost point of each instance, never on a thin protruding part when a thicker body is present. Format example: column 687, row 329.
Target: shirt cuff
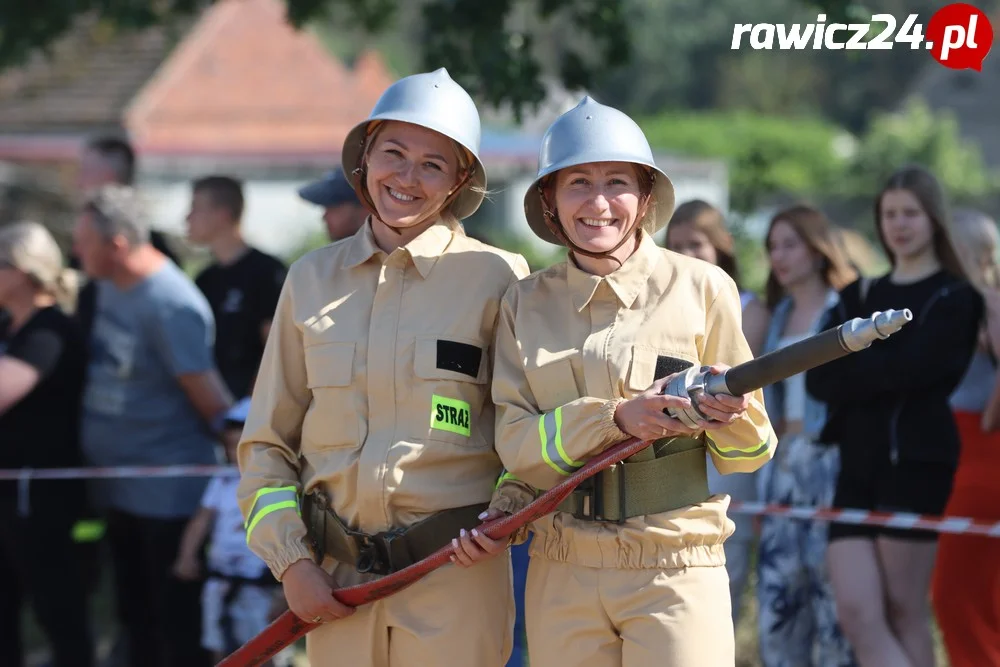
column 286, row 557
column 608, row 425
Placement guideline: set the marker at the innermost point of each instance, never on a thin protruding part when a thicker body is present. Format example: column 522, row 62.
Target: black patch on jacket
column 459, row 357
column 669, row 365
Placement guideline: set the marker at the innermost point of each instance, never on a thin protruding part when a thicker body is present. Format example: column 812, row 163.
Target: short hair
column 118, row 210
column 224, row 191
column 118, row 154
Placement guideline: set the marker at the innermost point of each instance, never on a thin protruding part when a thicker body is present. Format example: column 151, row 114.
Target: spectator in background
column 240, row 592
column 343, row 213
column 966, row 583
column 242, row 285
column 42, row 370
column 698, row 229
column 107, row 160
column 797, row 615
column 889, row 414
column 153, row 397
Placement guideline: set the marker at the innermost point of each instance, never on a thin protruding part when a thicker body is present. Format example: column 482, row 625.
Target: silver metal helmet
column 594, row 132
column 432, row 100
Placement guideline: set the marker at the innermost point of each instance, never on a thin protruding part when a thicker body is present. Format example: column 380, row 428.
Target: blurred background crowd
column 202, row 136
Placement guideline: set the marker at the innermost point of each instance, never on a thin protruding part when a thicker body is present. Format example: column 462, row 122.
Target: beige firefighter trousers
column 453, row 617
column 600, row 617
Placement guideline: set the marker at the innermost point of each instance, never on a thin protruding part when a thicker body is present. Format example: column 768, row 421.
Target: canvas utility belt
column 389, row 551
column 669, row 474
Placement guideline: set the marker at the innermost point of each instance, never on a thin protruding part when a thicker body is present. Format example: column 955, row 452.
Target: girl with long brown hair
column 698, row 229
column 966, row 577
column 797, row 616
column 890, row 417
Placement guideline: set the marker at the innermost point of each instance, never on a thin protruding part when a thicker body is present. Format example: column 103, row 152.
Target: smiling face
column 905, row 225
column 597, row 203
column 411, row 172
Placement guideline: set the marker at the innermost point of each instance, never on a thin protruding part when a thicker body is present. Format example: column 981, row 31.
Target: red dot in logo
column 961, row 36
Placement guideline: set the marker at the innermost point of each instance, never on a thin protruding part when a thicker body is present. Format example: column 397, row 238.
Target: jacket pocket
column 553, row 384
column 331, row 420
column 650, row 364
column 451, row 390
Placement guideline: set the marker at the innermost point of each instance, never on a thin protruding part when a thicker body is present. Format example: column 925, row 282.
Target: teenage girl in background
column 890, row 416
column 797, row 615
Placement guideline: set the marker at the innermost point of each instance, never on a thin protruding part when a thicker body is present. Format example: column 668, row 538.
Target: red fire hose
column 287, row 628
column 851, row 336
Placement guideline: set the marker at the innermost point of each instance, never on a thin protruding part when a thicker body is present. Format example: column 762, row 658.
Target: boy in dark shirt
column 242, row 284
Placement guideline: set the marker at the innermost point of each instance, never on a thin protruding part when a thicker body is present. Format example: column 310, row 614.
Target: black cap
column 331, row 190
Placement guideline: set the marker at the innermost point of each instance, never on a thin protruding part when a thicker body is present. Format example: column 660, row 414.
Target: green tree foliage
column 770, row 155
column 917, row 135
column 683, row 59
column 640, row 55
column 766, row 154
column 489, row 47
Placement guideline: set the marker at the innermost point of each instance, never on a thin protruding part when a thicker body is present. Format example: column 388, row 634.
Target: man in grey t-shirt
column 153, row 397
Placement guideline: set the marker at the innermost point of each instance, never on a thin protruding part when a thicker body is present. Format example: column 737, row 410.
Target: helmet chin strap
column 360, row 174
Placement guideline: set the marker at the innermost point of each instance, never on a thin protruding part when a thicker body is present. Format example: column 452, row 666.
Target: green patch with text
column 449, row 414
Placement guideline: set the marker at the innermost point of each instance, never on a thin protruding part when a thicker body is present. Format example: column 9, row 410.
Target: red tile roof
column 240, row 82
column 244, row 81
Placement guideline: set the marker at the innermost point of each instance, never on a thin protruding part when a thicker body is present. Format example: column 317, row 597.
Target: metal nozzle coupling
column 859, row 333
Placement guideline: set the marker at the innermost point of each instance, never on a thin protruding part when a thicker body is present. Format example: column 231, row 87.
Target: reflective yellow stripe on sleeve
column 550, row 433
column 749, row 453
column 268, row 500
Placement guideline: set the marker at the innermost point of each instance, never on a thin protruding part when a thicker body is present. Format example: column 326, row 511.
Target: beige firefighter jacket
column 374, row 386
column 570, row 347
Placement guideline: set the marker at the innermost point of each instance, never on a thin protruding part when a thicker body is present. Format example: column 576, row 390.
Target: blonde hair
column 973, row 234
column 30, row 248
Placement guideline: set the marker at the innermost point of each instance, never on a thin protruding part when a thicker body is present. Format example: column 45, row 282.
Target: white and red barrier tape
column 113, row 472
column 900, row 520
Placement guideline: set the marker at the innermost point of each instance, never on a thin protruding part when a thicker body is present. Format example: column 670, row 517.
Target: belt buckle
column 371, row 558
column 375, row 552
column 587, row 509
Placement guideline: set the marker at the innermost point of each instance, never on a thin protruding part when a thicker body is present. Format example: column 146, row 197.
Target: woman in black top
column 42, row 370
column 889, row 414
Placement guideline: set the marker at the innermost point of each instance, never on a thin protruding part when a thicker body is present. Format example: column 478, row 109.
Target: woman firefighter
column 631, row 570
column 369, row 443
